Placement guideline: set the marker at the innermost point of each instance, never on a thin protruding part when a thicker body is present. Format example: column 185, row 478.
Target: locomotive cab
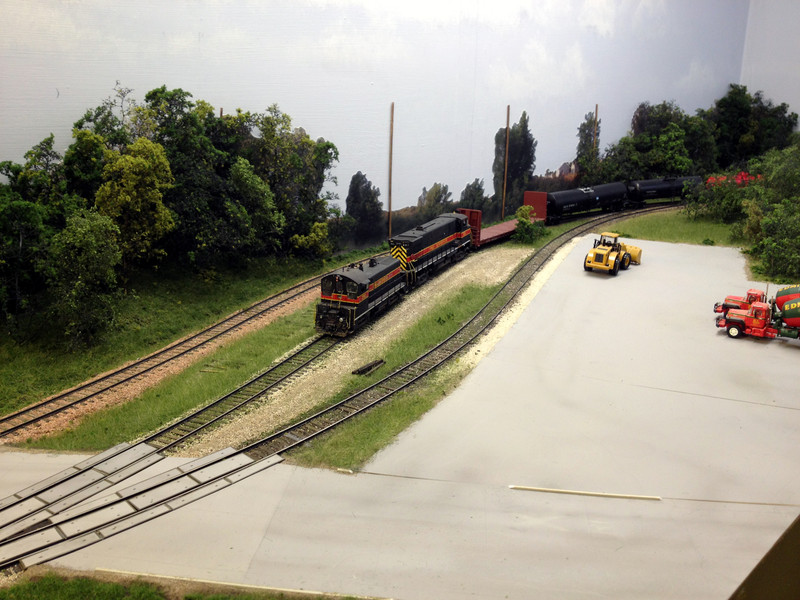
column 339, row 285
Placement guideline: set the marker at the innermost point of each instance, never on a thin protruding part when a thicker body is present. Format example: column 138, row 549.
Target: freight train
column 613, row 196
column 355, row 294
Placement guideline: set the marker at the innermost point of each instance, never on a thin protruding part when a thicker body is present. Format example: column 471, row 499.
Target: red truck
column 778, row 318
column 740, row 302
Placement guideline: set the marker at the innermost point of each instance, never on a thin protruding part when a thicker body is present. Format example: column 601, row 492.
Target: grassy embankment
column 155, row 312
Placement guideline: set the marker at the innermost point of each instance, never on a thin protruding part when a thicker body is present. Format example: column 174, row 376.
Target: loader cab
column 610, row 240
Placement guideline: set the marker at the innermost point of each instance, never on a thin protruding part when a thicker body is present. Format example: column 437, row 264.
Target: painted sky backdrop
column 335, row 66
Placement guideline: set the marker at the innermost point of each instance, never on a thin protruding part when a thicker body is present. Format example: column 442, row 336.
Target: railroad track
column 79, row 524
column 32, row 508
column 55, row 405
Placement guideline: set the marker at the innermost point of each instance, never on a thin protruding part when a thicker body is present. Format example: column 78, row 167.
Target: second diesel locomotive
column 354, row 294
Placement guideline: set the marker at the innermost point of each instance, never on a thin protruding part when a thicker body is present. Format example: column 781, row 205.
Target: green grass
column 352, row 444
column 674, row 227
column 157, row 310
column 204, row 381
column 54, row 587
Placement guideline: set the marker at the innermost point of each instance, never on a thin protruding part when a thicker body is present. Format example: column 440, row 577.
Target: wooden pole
column 505, row 169
column 594, row 135
column 391, row 144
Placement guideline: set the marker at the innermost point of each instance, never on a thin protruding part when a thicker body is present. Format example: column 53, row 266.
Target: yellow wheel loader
column 611, row 255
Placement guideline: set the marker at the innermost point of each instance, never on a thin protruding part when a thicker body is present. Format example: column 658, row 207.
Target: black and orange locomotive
column 354, row 294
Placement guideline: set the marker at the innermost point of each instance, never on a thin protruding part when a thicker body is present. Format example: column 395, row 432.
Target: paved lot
column 604, row 385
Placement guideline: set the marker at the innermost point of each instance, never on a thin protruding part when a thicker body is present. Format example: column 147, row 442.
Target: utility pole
column 391, row 143
column 594, row 134
column 505, row 168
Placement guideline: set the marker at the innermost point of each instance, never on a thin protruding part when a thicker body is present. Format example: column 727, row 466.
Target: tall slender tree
column 521, row 163
column 363, row 206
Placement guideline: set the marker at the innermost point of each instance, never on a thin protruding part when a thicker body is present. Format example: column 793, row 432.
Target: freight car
column 354, row 294
column 613, row 196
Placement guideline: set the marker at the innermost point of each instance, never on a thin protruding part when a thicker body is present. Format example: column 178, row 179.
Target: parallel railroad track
column 75, row 525
column 31, row 509
column 55, row 405
column 189, row 427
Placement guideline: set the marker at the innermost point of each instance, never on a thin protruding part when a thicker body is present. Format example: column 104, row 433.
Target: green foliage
column 132, row 196
column 722, row 202
column 340, row 227
column 84, row 161
column 81, row 273
column 314, row 244
column 176, row 179
column 295, row 167
column 23, row 243
column 521, row 163
column 433, row 202
column 264, row 222
column 773, row 212
column 669, row 155
column 363, row 206
column 53, row 587
column 747, row 125
column 473, row 196
column 111, row 119
column 588, row 150
column 528, row 231
column 663, row 141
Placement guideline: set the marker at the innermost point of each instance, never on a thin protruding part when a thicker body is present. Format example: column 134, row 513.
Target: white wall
column 771, row 59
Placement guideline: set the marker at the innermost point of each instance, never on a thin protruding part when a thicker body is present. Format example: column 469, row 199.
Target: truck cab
column 740, row 302
column 755, row 321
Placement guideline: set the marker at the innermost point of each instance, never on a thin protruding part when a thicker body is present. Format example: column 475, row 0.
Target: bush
column 527, row 231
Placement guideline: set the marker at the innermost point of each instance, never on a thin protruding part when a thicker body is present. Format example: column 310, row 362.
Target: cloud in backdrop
column 335, row 66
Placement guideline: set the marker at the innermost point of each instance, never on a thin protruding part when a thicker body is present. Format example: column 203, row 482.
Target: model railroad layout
column 550, row 207
column 34, row 414
column 67, row 511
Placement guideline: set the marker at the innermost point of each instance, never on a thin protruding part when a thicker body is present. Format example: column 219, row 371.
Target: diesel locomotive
column 354, row 294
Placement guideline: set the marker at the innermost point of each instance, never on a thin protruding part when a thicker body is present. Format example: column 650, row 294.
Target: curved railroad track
column 55, row 405
column 69, row 527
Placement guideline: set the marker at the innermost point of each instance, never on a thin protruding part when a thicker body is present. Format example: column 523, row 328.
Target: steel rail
column 32, row 508
column 56, row 404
